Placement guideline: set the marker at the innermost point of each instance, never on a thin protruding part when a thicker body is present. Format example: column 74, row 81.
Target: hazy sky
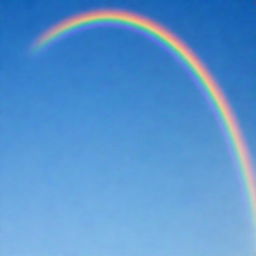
column 107, row 146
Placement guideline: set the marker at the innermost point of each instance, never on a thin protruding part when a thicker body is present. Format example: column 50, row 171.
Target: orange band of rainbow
column 179, row 48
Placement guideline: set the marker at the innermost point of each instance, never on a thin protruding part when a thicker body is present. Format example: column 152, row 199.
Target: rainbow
column 206, row 81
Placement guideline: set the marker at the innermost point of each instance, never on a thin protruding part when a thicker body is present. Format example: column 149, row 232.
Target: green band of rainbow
column 206, row 80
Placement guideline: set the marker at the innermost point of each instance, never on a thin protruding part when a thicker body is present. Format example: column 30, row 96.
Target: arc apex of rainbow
column 205, row 79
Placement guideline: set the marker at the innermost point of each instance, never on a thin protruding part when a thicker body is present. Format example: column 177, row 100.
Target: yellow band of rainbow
column 178, row 47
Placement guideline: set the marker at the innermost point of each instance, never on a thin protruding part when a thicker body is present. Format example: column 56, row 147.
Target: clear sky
column 107, row 146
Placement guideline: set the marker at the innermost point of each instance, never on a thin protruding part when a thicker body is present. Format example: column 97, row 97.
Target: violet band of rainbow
column 206, row 81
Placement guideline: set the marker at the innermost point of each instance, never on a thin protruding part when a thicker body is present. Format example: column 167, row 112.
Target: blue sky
column 107, row 146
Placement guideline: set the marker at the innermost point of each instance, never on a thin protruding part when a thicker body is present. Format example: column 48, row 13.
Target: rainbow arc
column 205, row 79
